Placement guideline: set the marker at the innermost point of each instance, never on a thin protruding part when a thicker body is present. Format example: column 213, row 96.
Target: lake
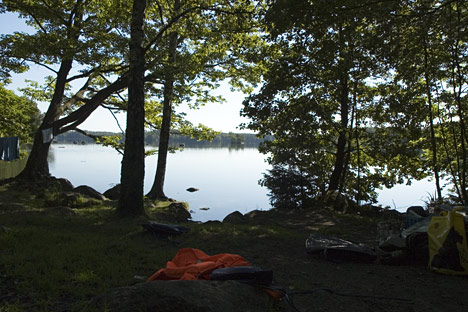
column 227, row 179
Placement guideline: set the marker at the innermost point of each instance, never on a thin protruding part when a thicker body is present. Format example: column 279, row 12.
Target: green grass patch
column 54, row 259
column 50, row 262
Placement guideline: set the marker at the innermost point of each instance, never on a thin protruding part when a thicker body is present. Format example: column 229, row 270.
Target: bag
column 448, row 251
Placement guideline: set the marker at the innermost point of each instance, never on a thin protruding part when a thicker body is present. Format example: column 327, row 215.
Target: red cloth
column 193, row 264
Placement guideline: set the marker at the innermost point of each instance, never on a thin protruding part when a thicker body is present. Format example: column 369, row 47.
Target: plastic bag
column 448, row 251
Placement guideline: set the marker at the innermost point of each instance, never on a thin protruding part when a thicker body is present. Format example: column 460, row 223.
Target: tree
column 428, row 60
column 315, row 93
column 20, row 116
column 202, row 49
column 85, row 42
column 133, row 163
column 78, row 34
column 157, row 190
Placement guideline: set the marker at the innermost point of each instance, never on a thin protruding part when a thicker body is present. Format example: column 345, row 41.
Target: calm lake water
column 226, row 178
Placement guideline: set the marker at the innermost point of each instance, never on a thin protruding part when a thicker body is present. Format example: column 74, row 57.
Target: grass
column 57, row 262
column 48, row 261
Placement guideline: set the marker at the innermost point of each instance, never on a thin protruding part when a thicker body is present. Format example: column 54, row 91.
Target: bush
column 289, row 187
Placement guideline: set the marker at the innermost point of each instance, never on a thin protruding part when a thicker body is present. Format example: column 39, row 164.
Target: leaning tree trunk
column 37, row 166
column 157, row 190
column 133, row 163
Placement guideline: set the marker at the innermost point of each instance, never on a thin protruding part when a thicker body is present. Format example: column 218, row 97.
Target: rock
column 175, row 212
column 234, row 218
column 257, row 214
column 192, row 189
column 205, row 208
column 113, row 193
column 66, row 185
column 336, row 201
column 179, row 211
column 89, row 192
column 212, row 222
column 194, row 296
column 70, row 198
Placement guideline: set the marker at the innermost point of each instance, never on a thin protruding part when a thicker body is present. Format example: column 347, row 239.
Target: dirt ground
column 346, row 285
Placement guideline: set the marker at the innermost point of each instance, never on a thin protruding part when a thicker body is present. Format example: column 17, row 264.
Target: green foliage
column 290, row 188
column 19, row 117
column 237, row 139
column 360, row 96
column 85, row 45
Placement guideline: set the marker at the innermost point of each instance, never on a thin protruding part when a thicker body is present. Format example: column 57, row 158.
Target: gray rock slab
column 193, row 296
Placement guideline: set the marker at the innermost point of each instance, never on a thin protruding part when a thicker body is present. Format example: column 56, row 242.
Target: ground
column 368, row 287
column 84, row 251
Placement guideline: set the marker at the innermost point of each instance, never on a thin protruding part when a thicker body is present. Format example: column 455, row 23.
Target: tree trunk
column 342, row 138
column 435, row 164
column 157, row 190
column 133, row 163
column 37, row 166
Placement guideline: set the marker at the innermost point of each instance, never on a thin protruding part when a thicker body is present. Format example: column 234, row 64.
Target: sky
column 223, row 117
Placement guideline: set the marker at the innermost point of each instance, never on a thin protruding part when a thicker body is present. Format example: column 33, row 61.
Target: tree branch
column 75, row 118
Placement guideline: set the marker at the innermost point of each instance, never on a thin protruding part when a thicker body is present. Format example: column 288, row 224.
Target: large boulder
column 175, row 212
column 89, row 192
column 113, row 193
column 66, row 185
column 234, row 218
column 180, row 296
column 336, row 201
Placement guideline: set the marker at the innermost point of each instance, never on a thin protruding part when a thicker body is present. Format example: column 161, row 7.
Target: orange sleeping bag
column 194, row 264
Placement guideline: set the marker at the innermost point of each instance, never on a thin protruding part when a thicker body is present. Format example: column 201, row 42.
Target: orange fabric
column 193, row 264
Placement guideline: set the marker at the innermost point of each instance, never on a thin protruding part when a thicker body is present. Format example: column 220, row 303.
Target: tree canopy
column 362, row 95
column 356, row 95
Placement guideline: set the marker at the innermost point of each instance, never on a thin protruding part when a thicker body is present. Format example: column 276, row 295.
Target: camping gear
column 387, row 229
column 336, row 249
column 417, row 248
column 448, row 251
column 194, row 264
column 243, row 274
column 393, row 243
column 164, row 229
column 414, row 214
column 419, row 227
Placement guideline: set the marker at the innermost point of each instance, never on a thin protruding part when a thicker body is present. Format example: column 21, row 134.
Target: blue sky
column 221, row 117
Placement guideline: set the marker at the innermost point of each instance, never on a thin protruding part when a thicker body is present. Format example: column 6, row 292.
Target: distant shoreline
column 152, row 138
